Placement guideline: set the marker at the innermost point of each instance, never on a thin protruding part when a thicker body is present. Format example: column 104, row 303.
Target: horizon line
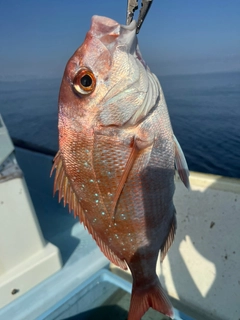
column 22, row 78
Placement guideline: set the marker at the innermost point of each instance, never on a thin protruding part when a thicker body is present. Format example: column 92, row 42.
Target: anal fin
column 168, row 242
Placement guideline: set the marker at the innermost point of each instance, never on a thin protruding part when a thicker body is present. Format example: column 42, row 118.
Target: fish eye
column 84, row 81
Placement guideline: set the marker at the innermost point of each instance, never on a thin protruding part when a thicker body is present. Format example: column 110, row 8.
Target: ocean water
column 204, row 110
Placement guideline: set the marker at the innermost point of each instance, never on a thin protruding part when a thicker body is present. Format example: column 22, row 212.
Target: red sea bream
column 117, row 156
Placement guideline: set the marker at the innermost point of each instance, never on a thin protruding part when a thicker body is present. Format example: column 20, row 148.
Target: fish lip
column 101, row 25
column 114, row 35
column 131, row 27
column 128, row 37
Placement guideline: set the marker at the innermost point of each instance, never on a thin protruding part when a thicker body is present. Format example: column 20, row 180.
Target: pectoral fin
column 181, row 163
column 133, row 155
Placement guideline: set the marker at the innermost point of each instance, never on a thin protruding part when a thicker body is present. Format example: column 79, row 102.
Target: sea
column 204, row 111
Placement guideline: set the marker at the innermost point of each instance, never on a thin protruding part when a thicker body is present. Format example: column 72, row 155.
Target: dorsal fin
column 167, row 244
column 65, row 191
column 181, row 163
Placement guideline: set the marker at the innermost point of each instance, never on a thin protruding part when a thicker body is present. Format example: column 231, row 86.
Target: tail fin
column 153, row 296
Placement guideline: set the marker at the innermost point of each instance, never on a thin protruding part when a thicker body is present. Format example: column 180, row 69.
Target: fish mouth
column 112, row 34
column 128, row 36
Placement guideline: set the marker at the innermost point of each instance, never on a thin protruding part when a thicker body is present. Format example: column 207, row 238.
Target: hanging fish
column 117, row 155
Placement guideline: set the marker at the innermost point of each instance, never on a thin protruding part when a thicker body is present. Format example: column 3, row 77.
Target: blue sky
column 179, row 36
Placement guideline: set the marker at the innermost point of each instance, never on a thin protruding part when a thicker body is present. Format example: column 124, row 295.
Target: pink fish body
column 117, row 156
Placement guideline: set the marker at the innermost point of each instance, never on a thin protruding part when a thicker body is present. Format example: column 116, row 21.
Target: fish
column 117, row 157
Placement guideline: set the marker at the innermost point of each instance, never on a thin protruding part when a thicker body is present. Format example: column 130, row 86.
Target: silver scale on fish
column 123, row 189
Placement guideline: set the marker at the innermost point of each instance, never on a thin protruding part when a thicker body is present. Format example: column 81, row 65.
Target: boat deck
column 200, row 272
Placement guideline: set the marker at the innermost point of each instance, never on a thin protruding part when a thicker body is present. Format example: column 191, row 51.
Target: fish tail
column 153, row 296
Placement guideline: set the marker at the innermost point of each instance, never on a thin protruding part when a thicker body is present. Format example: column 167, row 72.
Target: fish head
column 105, row 81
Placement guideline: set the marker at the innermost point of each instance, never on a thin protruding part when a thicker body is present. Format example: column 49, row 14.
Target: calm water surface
column 204, row 110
